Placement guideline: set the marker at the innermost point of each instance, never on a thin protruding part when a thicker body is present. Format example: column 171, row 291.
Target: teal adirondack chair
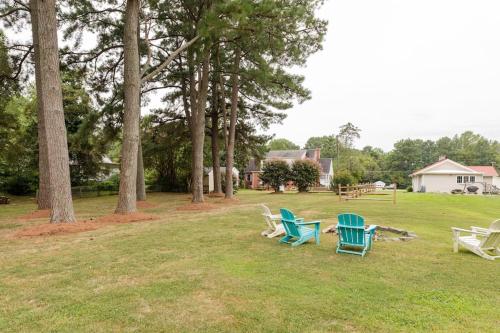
column 296, row 230
column 352, row 233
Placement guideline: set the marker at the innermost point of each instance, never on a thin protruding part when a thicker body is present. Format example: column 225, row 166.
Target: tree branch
column 168, row 60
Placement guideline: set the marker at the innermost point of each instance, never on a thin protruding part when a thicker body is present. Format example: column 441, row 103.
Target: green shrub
column 20, row 185
column 110, row 184
column 305, row 173
column 275, row 174
column 342, row 177
column 409, row 189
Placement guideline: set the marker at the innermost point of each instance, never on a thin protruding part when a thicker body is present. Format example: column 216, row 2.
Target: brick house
column 254, row 167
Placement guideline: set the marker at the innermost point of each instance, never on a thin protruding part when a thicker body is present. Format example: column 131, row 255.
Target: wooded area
column 223, row 60
column 72, row 112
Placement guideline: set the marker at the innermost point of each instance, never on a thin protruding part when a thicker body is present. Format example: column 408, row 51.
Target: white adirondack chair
column 481, row 241
column 274, row 229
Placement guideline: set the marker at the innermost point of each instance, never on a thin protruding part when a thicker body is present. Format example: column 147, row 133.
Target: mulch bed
column 216, row 195
column 50, row 229
column 146, row 204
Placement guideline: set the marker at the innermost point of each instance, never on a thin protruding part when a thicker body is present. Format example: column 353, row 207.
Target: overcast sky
column 403, row 68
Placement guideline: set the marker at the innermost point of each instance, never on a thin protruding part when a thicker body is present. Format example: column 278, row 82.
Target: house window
column 472, row 179
column 459, row 180
column 466, row 179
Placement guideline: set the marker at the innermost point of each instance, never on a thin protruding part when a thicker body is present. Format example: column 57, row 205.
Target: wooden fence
column 353, row 192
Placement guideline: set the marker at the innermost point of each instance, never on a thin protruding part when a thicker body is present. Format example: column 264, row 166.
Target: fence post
column 340, row 192
column 394, row 194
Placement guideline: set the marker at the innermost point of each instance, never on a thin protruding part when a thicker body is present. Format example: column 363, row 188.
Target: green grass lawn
column 213, row 272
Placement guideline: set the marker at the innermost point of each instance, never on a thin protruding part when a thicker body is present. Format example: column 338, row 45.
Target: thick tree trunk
column 215, row 140
column 50, row 98
column 232, row 124
column 43, row 195
column 141, row 185
column 131, row 88
column 198, row 101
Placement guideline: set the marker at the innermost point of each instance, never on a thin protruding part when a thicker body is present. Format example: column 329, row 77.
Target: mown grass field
column 211, row 271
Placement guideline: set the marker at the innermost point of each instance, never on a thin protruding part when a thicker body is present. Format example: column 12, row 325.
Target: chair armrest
column 458, row 230
column 299, row 219
column 307, row 223
column 371, row 228
column 273, row 217
column 485, row 230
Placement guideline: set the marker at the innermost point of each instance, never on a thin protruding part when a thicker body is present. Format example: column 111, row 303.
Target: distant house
column 446, row 175
column 254, row 168
column 379, row 184
column 208, row 179
column 491, row 178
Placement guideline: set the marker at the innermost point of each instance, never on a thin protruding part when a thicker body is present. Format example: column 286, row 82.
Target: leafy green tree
column 327, row 144
column 343, row 178
column 282, row 144
column 275, row 174
column 348, row 133
column 85, row 139
column 19, row 153
column 305, row 174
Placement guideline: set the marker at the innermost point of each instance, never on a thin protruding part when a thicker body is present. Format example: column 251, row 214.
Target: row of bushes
column 304, row 173
column 23, row 185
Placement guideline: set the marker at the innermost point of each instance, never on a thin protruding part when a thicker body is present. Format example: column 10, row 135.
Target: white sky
column 403, row 68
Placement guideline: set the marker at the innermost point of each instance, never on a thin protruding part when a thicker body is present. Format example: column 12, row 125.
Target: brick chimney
column 317, row 154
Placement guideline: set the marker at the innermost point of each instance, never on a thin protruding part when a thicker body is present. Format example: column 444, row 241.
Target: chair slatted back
column 288, row 220
column 351, row 229
column 492, row 241
column 267, row 216
column 495, row 225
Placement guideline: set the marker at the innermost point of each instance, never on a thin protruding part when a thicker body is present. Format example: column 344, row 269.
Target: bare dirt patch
column 49, row 229
column 216, row 195
column 145, row 205
column 37, row 214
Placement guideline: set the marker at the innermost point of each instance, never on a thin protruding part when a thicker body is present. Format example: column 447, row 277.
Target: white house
column 209, row 177
column 379, row 184
column 447, row 175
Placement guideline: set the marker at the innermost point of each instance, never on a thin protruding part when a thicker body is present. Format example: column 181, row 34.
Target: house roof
column 252, row 165
column 310, row 153
column 429, row 169
column 488, row 171
column 325, row 164
column 286, row 154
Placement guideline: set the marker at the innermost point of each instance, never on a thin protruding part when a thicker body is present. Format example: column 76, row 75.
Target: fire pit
column 381, row 233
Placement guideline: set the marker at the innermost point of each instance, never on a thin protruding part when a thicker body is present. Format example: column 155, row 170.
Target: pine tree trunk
column 215, row 140
column 141, row 185
column 131, row 88
column 198, row 103
column 50, row 98
column 232, row 124
column 43, row 195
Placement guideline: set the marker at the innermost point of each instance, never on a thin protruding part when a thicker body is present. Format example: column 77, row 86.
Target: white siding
column 496, row 181
column 416, row 183
column 446, row 183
